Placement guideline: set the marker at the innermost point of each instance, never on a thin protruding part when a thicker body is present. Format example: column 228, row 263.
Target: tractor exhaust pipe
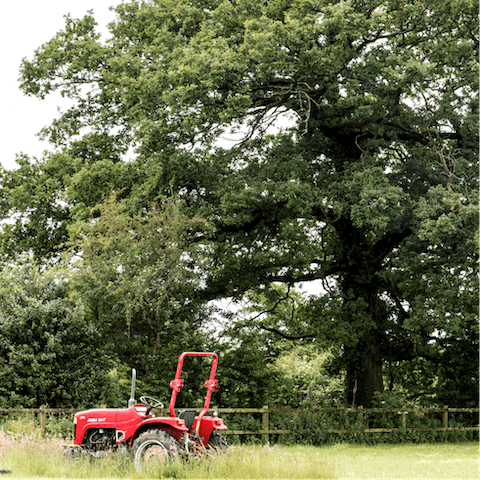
column 132, row 401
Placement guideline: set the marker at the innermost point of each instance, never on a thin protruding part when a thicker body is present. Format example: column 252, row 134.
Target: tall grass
column 27, row 454
column 31, row 455
column 244, row 462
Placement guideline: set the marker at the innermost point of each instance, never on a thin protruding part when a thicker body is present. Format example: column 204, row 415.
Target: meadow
column 28, row 455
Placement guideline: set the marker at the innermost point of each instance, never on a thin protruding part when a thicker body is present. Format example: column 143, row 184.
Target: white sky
column 24, row 26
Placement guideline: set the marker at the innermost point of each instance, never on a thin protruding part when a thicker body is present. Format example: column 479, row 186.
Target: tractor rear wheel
column 154, row 447
column 216, row 442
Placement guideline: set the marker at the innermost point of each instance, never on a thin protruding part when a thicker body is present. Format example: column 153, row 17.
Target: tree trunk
column 364, row 317
column 364, row 376
column 365, row 313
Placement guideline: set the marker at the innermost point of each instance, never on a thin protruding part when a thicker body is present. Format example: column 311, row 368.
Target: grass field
column 443, row 460
column 29, row 456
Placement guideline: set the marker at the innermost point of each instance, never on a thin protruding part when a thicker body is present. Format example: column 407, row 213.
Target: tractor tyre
column 216, row 442
column 154, row 447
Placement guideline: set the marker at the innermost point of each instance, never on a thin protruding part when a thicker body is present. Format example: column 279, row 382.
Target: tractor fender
column 174, row 426
column 218, row 424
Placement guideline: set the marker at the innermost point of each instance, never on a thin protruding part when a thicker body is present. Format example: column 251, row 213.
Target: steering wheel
column 151, row 402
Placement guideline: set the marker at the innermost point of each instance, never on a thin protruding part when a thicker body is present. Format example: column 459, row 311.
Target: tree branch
column 285, row 335
column 274, row 330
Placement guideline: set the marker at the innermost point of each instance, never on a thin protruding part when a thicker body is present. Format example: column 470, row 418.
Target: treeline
column 227, row 152
column 56, row 351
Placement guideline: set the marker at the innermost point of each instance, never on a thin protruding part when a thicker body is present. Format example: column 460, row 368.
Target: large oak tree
column 331, row 141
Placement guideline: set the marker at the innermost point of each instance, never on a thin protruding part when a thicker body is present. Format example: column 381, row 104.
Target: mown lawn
column 30, row 456
column 442, row 460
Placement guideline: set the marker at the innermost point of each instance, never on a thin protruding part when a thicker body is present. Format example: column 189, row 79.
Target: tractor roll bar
column 210, row 384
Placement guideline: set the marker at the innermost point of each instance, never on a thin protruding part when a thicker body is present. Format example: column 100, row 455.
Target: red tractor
column 147, row 437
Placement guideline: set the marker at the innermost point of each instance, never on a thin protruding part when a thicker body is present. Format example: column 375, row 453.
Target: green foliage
column 458, row 374
column 331, row 141
column 313, row 428
column 305, row 379
column 269, row 357
column 59, row 425
column 138, row 276
column 50, row 352
column 37, row 217
column 247, row 377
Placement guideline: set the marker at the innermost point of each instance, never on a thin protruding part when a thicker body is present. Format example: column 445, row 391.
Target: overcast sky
column 24, row 26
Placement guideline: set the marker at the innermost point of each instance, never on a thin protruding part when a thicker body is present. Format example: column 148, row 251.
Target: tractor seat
column 188, row 416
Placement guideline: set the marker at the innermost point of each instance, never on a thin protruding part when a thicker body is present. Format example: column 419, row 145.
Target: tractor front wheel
column 154, row 447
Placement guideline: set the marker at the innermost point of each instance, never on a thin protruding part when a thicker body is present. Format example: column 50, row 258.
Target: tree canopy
column 50, row 352
column 330, row 141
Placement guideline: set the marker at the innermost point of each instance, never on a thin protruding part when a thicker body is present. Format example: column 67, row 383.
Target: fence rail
column 359, row 411
column 266, row 411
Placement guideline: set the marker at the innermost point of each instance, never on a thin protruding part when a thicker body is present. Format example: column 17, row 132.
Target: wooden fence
column 265, row 413
column 42, row 412
column 360, row 412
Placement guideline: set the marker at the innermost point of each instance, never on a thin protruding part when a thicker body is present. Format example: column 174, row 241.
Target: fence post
column 404, row 418
column 265, row 424
column 360, row 417
column 445, row 417
column 43, row 419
